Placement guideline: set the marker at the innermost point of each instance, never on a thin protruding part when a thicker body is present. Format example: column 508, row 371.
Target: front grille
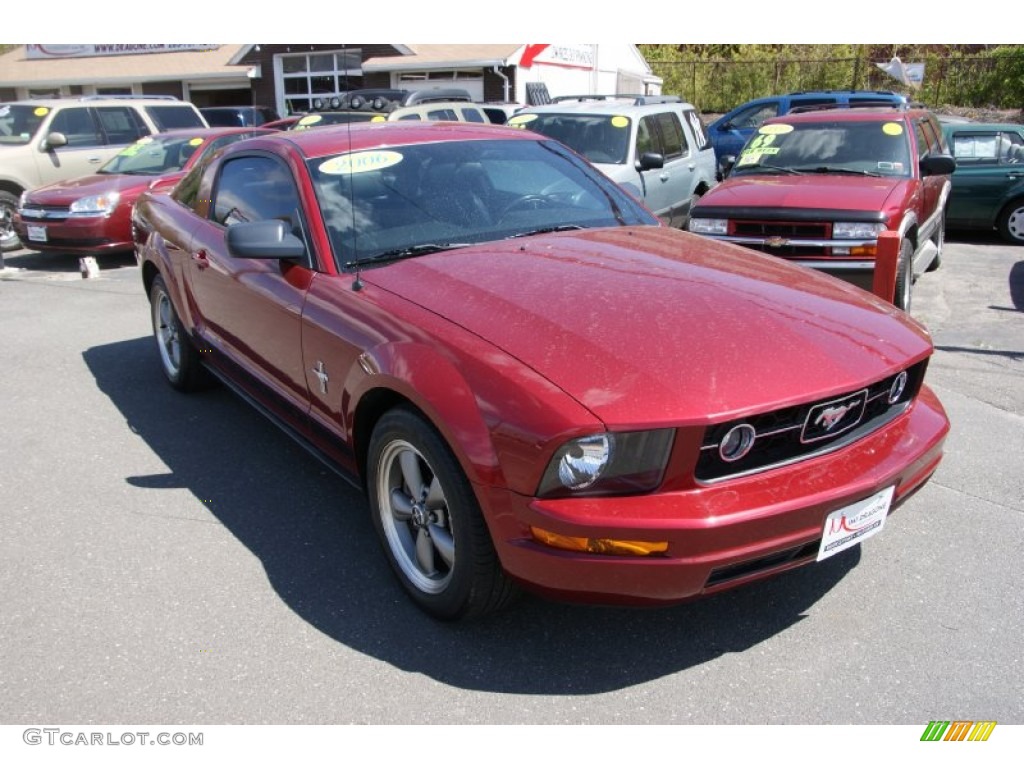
column 762, row 564
column 789, row 434
column 795, row 230
column 44, row 213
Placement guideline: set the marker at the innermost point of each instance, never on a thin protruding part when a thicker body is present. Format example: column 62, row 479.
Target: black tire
column 179, row 358
column 904, row 276
column 8, row 237
column 429, row 521
column 939, row 238
column 1011, row 222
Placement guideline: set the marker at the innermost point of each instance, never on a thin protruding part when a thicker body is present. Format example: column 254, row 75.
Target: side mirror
column 650, row 160
column 937, row 165
column 54, row 140
column 269, row 239
column 728, row 161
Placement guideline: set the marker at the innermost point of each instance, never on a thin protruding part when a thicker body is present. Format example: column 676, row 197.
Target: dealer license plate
column 852, row 524
column 37, row 233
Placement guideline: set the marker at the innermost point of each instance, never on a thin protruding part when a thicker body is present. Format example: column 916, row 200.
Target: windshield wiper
column 836, row 169
column 766, row 167
column 405, row 253
column 546, row 230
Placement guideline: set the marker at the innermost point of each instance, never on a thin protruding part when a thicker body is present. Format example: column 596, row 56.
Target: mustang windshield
column 864, row 148
column 380, row 203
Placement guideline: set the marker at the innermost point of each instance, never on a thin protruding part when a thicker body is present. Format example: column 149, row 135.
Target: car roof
column 205, row 133
column 355, row 137
column 848, row 114
column 982, row 127
column 100, row 101
column 598, row 105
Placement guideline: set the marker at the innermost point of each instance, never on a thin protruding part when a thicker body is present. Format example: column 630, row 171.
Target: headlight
column 608, row 463
column 95, row 205
column 709, row 226
column 856, row 230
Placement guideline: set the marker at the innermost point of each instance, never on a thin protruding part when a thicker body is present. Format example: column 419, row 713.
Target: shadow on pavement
column 36, row 261
column 312, row 533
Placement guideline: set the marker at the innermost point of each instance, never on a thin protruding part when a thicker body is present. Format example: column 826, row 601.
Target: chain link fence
column 718, row 86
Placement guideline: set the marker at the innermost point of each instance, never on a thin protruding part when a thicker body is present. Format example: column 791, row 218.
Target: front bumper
column 719, row 536
column 86, row 235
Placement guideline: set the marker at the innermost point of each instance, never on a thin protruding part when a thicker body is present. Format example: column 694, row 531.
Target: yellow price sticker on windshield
column 620, row 122
column 360, row 162
column 195, row 142
column 518, row 121
column 378, row 119
column 310, row 119
column 41, row 111
column 892, row 129
column 775, row 129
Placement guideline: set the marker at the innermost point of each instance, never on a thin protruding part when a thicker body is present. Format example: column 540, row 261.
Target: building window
column 319, row 75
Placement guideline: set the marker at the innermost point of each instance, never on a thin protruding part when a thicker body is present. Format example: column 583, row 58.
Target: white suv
column 654, row 146
column 43, row 141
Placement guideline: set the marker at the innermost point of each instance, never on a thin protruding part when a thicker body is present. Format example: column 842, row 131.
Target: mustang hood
column 808, row 192
column 648, row 324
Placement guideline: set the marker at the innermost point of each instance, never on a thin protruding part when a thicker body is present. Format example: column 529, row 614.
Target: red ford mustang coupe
column 535, row 382
column 91, row 215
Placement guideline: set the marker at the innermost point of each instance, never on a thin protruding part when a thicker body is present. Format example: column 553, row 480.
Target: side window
column 255, row 188
column 805, row 105
column 752, row 117
column 672, row 137
column 167, row 118
column 78, row 124
column 932, row 133
column 700, row 134
column 975, row 148
column 442, row 114
column 410, row 116
column 121, row 125
column 1011, row 148
column 474, row 116
column 923, row 144
column 646, row 136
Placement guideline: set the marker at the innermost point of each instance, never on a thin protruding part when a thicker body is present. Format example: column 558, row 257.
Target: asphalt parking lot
column 176, row 559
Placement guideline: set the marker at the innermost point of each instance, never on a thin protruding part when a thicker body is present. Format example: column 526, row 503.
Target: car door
column 85, row 151
column 667, row 189
column 249, row 310
column 987, row 168
column 731, row 132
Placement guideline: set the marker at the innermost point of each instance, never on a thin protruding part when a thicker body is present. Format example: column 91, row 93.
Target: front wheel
column 429, row 521
column 904, row 276
column 939, row 238
column 1011, row 222
column 8, row 236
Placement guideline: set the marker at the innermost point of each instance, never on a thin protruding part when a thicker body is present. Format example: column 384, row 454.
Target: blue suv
column 730, row 132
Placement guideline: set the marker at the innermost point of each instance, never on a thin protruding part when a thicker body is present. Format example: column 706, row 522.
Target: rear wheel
column 1011, row 222
column 179, row 358
column 8, row 236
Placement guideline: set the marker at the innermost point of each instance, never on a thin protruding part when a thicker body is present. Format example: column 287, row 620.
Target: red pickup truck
column 819, row 187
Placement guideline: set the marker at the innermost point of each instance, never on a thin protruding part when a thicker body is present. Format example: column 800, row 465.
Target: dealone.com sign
column 80, row 50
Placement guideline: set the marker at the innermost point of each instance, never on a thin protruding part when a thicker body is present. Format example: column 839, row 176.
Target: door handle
column 664, row 176
column 200, row 259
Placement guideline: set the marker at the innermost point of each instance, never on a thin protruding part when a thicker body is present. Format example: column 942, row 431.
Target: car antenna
column 357, row 283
